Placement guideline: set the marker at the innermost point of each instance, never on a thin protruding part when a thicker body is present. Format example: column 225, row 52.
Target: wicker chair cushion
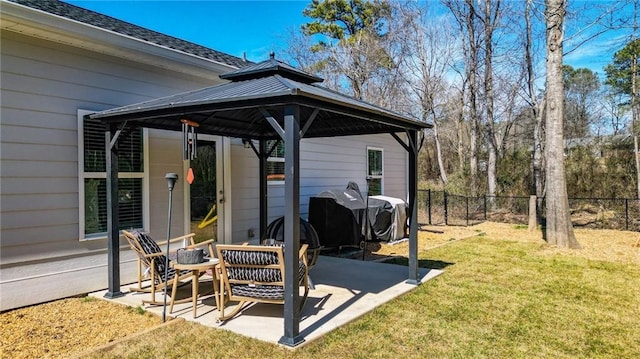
column 149, row 246
column 250, row 257
column 273, row 292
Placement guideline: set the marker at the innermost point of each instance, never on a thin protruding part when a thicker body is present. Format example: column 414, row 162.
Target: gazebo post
column 262, row 156
column 291, row 313
column 413, row 207
column 113, row 215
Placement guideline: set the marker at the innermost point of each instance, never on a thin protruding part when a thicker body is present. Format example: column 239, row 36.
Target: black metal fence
column 442, row 208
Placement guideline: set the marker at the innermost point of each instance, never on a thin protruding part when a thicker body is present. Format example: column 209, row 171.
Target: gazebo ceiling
column 239, row 108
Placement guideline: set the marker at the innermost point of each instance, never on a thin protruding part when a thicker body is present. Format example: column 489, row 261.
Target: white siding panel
column 30, row 202
column 43, row 136
column 40, row 218
column 52, row 247
column 30, row 185
column 35, row 234
column 21, row 168
column 57, row 279
column 38, row 119
column 165, row 156
column 245, row 192
column 98, row 97
column 325, row 163
column 66, row 64
column 43, row 86
column 37, row 152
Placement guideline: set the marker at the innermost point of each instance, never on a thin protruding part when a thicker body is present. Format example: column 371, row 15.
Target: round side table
column 195, row 269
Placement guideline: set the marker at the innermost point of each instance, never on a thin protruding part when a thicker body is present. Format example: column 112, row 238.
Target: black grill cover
column 388, row 217
column 338, row 217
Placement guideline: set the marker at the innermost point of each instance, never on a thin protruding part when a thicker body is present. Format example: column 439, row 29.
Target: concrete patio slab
column 345, row 289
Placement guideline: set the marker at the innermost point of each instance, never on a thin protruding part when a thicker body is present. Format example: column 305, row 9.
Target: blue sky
column 261, row 26
column 234, row 27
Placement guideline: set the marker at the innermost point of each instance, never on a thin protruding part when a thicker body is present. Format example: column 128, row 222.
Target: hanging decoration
column 189, row 139
column 190, row 176
column 189, row 145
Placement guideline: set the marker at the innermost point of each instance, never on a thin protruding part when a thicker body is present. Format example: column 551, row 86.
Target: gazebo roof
column 239, row 108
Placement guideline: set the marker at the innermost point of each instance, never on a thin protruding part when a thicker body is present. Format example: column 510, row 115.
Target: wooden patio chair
column 255, row 274
column 151, row 261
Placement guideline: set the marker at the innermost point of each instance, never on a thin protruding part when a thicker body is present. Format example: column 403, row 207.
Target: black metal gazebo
column 266, row 101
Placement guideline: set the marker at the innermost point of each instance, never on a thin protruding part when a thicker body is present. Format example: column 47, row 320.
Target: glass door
column 204, row 192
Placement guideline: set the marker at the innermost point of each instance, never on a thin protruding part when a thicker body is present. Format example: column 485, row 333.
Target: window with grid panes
column 94, row 176
column 375, row 171
column 275, row 161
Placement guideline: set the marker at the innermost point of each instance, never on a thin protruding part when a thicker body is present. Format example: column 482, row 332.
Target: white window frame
column 100, row 175
column 380, row 176
column 276, row 159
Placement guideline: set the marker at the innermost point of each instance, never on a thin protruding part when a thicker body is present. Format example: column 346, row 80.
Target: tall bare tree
column 425, row 69
column 623, row 76
column 581, row 101
column 559, row 230
column 536, row 106
column 490, row 18
column 468, row 23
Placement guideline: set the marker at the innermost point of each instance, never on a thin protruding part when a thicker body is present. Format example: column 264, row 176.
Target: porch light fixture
column 246, row 142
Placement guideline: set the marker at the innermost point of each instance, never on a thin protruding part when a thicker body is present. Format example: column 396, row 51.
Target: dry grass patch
column 66, row 327
column 607, row 245
column 597, row 244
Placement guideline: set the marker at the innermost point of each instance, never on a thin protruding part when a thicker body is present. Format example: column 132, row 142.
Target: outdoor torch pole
column 171, row 181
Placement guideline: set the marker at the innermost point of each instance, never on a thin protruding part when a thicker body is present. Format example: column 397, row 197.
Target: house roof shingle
column 93, row 18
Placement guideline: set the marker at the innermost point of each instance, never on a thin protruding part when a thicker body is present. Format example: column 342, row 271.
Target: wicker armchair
column 152, row 260
column 255, row 274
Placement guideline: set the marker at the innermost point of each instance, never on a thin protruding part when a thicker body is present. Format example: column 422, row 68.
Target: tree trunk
column 537, row 109
column 490, row 21
column 559, row 230
column 492, row 180
column 443, row 173
column 538, row 154
column 635, row 150
column 460, row 131
column 473, row 88
column 634, row 118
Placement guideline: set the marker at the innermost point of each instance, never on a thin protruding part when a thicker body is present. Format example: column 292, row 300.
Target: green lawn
column 496, row 299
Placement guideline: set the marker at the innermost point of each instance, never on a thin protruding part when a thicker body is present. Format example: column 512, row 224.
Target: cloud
column 594, row 54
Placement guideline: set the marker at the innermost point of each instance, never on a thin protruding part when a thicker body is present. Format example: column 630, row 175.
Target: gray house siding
column 43, row 86
column 325, row 163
